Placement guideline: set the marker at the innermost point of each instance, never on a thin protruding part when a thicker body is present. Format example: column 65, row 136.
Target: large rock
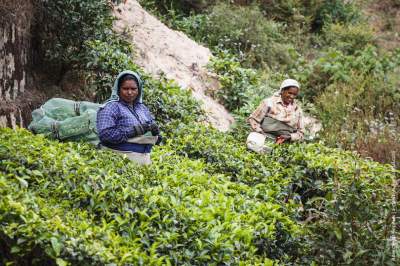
column 162, row 51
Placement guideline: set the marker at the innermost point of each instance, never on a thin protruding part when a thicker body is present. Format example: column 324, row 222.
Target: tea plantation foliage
column 206, row 200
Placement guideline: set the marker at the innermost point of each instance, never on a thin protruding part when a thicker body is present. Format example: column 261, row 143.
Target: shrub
column 351, row 223
column 285, row 11
column 107, row 210
column 358, row 112
column 164, row 7
column 347, row 38
column 334, row 66
column 236, row 82
column 335, row 11
column 245, row 32
column 67, row 26
column 345, row 199
column 226, row 155
column 194, row 26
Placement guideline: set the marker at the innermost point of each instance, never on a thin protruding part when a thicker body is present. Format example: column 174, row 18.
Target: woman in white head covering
column 279, row 117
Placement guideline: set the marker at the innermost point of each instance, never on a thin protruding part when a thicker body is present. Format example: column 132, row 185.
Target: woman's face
column 289, row 94
column 129, row 91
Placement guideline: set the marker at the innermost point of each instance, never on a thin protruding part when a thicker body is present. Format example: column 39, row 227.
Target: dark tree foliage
column 65, row 27
column 336, row 11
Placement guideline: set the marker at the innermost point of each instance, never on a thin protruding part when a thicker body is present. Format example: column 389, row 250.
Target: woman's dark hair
column 125, row 78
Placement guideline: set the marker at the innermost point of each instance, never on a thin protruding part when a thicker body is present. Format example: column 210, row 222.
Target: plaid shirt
column 274, row 107
column 115, row 122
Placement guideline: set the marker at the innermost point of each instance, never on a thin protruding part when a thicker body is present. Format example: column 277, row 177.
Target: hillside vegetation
column 349, row 79
column 206, row 200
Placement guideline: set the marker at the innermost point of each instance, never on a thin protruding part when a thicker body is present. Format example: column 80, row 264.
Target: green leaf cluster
column 79, row 205
column 205, row 200
column 65, row 27
column 236, row 82
column 335, row 11
column 345, row 202
column 348, row 205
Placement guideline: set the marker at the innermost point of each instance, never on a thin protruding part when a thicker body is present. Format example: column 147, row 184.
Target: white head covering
column 289, row 83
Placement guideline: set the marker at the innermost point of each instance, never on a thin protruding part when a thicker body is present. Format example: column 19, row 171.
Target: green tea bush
column 351, row 222
column 333, row 187
column 116, row 212
column 205, row 200
column 236, row 82
column 37, row 230
column 228, row 156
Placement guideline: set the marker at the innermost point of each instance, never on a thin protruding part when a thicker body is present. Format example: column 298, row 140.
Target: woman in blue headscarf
column 124, row 123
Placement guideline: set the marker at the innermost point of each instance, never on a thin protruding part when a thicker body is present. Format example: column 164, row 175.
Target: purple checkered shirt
column 115, row 121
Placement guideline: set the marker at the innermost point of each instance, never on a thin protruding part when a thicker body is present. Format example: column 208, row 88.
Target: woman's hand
column 159, row 139
column 155, row 130
column 282, row 138
column 256, row 126
column 141, row 129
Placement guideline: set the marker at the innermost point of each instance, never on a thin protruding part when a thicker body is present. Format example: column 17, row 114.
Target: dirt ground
column 384, row 17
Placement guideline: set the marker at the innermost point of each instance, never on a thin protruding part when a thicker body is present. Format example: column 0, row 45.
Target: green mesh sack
column 66, row 120
column 42, row 126
column 60, row 109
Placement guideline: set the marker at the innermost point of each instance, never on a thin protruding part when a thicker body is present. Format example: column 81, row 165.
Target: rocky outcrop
column 162, row 51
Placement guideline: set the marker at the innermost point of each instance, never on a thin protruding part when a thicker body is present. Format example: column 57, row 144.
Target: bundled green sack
column 65, row 119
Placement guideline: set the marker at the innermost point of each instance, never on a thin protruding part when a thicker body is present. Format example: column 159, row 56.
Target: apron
column 274, row 128
column 139, row 158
